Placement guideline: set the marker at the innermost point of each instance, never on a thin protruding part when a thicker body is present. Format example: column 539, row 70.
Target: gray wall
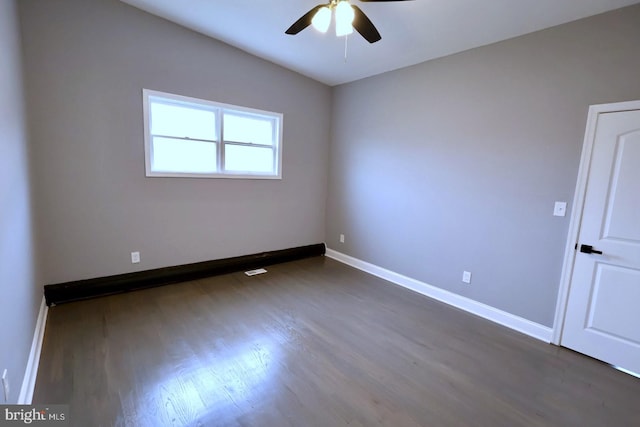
column 19, row 296
column 86, row 63
column 455, row 164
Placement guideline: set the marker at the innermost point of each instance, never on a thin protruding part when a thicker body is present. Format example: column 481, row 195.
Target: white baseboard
column 509, row 320
column 30, row 373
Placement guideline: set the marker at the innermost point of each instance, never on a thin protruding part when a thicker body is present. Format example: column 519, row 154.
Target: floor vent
column 254, row 272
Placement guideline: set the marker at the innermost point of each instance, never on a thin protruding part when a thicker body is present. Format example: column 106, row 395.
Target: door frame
column 578, row 209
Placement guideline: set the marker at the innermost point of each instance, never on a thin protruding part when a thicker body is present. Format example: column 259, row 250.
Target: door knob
column 588, row 249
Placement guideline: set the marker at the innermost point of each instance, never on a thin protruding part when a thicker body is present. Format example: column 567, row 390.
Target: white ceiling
column 412, row 31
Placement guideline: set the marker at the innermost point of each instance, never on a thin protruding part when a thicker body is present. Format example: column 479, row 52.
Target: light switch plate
column 560, row 209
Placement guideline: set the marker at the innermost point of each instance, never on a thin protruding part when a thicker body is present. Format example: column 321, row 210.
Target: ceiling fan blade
column 304, row 21
column 364, row 26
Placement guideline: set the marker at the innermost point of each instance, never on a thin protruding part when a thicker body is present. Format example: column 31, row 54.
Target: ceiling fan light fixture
column 322, row 19
column 344, row 18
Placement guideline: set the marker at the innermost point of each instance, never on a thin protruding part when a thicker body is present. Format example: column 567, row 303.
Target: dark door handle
column 588, row 249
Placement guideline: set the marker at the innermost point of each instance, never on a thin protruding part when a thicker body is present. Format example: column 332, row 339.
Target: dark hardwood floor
column 313, row 343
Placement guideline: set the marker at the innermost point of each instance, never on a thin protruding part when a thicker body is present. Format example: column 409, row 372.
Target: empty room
column 303, row 213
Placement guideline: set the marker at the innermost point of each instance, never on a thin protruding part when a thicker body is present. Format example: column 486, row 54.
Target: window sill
column 209, row 176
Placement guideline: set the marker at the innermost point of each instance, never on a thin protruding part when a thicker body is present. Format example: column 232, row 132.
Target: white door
column 603, row 310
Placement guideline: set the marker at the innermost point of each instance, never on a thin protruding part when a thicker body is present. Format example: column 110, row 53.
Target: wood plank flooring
column 312, row 343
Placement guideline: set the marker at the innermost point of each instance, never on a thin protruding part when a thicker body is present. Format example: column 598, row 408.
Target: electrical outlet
column 560, row 209
column 5, row 385
column 342, row 238
column 135, row 257
column 466, row 277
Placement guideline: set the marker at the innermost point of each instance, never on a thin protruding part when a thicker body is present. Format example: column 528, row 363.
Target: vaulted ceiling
column 412, row 31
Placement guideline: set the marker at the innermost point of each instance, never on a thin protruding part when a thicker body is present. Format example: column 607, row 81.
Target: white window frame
column 219, row 109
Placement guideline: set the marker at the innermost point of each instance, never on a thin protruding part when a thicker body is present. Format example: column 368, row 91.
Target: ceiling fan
column 347, row 17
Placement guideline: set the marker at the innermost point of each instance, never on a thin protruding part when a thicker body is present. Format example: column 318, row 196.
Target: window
column 189, row 137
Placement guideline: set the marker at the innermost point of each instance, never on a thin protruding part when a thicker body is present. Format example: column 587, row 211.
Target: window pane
column 243, row 128
column 179, row 155
column 182, row 121
column 241, row 158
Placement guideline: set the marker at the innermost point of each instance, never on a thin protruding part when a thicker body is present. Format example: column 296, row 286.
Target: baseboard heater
column 91, row 288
